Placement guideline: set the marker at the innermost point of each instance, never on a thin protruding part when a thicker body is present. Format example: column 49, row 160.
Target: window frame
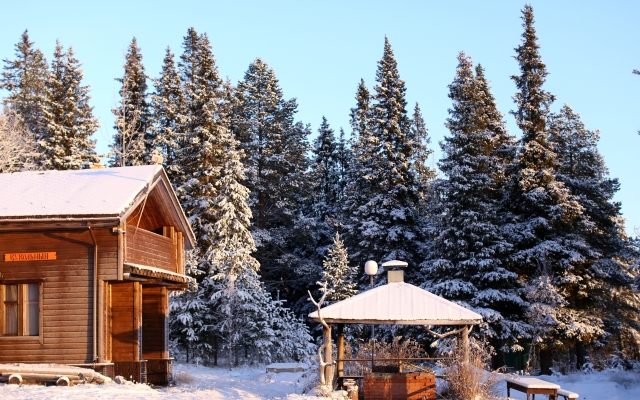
column 21, row 336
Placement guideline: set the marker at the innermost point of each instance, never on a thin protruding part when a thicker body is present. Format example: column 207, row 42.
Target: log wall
column 67, row 292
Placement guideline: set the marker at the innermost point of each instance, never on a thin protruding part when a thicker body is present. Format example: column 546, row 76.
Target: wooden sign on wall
column 42, row 256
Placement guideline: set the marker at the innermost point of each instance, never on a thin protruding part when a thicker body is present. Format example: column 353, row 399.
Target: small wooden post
column 328, row 369
column 340, row 363
column 137, row 321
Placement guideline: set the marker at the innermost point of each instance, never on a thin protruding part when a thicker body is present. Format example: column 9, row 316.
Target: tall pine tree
column 167, row 101
column 25, row 78
column 133, row 142
column 383, row 196
column 324, row 172
column 201, row 158
column 69, row 119
column 546, row 215
column 469, row 249
column 275, row 148
column 606, row 278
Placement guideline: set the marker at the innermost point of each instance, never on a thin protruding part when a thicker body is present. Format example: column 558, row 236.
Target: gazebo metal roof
column 397, row 303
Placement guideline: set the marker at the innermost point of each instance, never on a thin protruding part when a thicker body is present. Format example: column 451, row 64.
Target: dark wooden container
column 400, row 386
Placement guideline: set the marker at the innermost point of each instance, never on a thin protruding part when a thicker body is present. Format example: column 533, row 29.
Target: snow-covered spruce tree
column 244, row 315
column 420, row 161
column 339, row 277
column 234, row 281
column 25, row 78
column 65, row 142
column 228, row 285
column 166, row 103
column 324, row 173
column 201, row 159
column 17, row 146
column 319, row 218
column 360, row 184
column 466, row 262
column 133, row 141
column 546, row 216
column 343, row 161
column 275, row 161
column 423, row 165
column 187, row 310
column 606, row 279
column 545, row 306
column 383, row 198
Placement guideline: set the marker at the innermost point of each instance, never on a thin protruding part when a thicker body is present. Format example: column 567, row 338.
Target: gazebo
column 396, row 303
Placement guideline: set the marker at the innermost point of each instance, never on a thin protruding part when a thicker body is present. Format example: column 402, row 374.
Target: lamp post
column 371, row 269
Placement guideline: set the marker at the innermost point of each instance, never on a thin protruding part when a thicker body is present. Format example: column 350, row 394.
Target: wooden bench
column 532, row 386
column 567, row 394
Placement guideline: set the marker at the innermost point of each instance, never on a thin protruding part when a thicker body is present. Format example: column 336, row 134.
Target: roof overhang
column 155, row 276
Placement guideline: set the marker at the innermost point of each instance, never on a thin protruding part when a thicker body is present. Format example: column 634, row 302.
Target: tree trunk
column 215, row 350
column 545, row 361
column 581, row 354
column 497, row 360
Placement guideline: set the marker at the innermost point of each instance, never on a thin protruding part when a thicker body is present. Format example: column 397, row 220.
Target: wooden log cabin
column 87, row 261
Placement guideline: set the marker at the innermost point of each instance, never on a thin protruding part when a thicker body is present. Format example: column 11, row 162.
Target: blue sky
column 320, row 50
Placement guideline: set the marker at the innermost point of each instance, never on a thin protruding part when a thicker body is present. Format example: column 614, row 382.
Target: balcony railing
column 153, row 250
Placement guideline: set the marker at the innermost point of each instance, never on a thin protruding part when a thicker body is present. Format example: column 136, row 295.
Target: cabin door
column 155, row 334
column 126, row 330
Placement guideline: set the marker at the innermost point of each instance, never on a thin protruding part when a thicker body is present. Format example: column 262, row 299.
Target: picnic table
column 532, row 386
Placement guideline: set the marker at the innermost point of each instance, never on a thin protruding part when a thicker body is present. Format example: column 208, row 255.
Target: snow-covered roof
column 397, row 303
column 106, row 194
column 87, row 192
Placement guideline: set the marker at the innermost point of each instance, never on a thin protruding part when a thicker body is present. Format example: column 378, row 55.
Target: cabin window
column 20, row 309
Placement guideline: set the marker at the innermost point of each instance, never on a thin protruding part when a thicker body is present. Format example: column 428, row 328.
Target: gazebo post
column 328, row 369
column 340, row 363
column 464, row 336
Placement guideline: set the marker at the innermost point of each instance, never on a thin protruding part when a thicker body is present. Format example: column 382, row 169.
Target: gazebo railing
column 401, row 361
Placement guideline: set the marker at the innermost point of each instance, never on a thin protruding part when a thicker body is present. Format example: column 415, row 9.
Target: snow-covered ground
column 193, row 382
column 197, row 382
column 605, row 385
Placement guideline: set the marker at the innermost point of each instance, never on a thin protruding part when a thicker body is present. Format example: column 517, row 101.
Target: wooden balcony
column 150, row 249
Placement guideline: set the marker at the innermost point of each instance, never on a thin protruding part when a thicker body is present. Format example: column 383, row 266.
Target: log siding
column 66, row 292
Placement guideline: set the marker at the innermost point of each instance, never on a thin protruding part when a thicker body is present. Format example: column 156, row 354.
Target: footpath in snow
column 197, row 382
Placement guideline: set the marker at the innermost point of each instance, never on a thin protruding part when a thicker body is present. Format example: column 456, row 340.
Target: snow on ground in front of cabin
column 198, row 382
column 194, row 382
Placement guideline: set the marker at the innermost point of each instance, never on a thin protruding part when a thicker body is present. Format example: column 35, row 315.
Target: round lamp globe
column 371, row 268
